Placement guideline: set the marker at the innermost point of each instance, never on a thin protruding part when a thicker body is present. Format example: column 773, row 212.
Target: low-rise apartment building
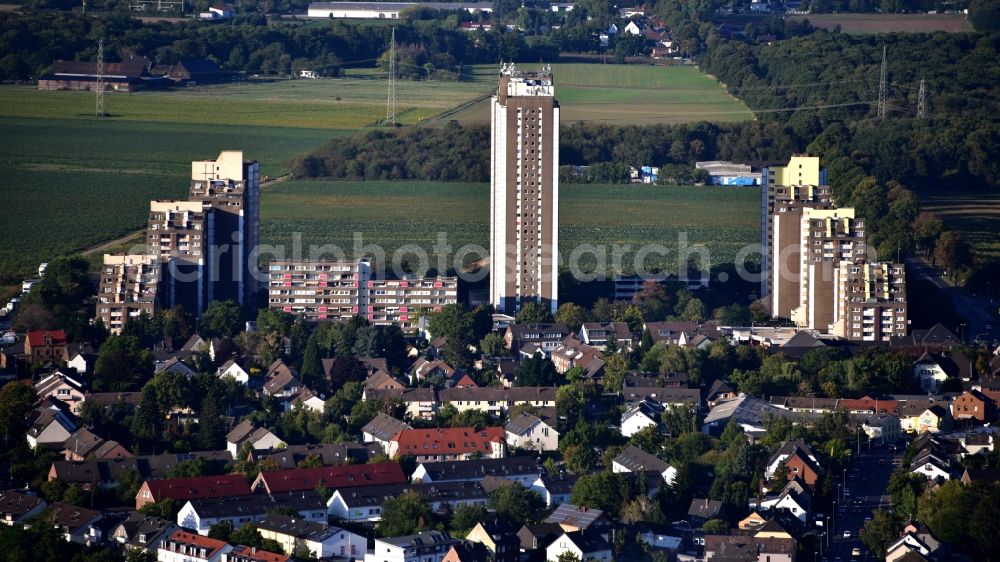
column 332, row 290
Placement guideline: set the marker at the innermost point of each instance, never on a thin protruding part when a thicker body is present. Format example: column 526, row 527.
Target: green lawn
column 618, row 93
column 392, row 214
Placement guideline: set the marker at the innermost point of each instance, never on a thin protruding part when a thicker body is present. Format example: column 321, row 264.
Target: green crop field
column 976, row 214
column 73, row 180
column 618, row 93
column 393, row 214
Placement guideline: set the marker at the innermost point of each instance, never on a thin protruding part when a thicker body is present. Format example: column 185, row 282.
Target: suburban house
column 77, row 524
column 640, row 415
column 467, row 552
column 540, row 337
column 193, row 488
column 801, row 466
column 182, row 546
column 571, row 518
column 917, row 417
column 44, row 347
column 330, row 477
column 572, row 352
column 364, row 504
column 49, row 426
column 634, row 459
column 971, row 405
column 719, row 392
column 448, row 444
column 243, row 553
column 259, row 438
column 17, row 508
column 528, row 431
column 498, row 537
column 64, row 387
column 318, row 538
column 142, row 532
column 432, row 369
column 703, row 509
column 523, row 470
column 326, row 454
column 498, row 401
column 883, row 428
column 201, row 515
column 83, row 444
column 234, row 370
column 420, row 403
column 598, row 334
column 382, row 429
column 429, row 546
column 174, row 366
column 554, row 489
column 585, row 546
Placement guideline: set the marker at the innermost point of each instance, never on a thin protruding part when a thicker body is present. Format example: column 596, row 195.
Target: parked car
column 847, row 534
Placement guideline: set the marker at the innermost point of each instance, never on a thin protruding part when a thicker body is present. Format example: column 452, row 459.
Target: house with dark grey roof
column 576, row 517
column 326, row 454
column 382, row 429
column 201, row 515
column 429, row 546
column 77, row 524
column 523, row 470
column 364, row 503
column 640, row 415
column 583, row 545
column 17, row 507
column 554, row 489
column 527, row 431
column 259, row 438
column 634, row 459
column 703, row 509
column 320, row 539
column 142, row 532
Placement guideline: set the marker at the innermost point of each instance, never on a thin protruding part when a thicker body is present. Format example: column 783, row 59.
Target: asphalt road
column 978, row 312
column 867, row 481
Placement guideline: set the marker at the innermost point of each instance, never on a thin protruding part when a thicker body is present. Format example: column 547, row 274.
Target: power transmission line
column 883, row 88
column 922, row 100
column 390, row 106
column 100, row 79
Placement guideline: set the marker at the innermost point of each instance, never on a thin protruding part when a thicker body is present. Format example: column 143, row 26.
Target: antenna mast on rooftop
column 390, row 106
column 883, row 88
column 100, row 79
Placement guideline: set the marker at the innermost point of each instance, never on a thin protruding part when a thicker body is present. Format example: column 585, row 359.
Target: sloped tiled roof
column 198, row 487
column 331, row 477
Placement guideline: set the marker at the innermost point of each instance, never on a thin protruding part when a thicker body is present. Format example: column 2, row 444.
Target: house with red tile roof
column 45, row 346
column 251, row 554
column 182, row 546
column 330, row 477
column 195, row 488
column 449, row 443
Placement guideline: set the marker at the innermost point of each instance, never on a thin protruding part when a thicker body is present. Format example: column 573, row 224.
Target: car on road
column 856, row 552
column 847, row 534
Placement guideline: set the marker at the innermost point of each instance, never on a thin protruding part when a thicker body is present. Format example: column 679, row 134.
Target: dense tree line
column 31, row 42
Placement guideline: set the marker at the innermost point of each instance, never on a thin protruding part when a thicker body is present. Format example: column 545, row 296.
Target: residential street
column 867, row 481
column 977, row 311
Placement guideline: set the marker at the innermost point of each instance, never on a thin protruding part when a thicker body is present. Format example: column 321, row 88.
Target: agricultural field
column 976, row 214
column 392, row 214
column 889, row 23
column 618, row 93
column 73, row 180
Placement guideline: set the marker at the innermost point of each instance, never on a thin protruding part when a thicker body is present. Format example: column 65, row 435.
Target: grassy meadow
column 635, row 94
column 392, row 214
